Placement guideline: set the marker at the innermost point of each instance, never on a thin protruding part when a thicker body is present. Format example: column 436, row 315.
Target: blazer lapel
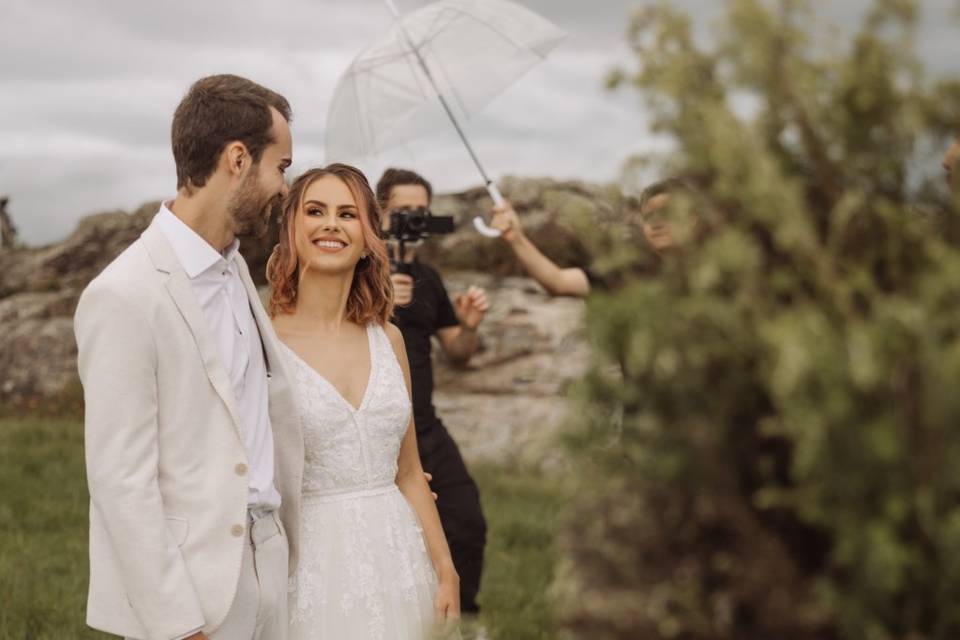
column 284, row 419
column 281, row 405
column 178, row 286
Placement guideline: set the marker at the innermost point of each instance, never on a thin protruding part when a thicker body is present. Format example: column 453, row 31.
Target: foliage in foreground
column 773, row 452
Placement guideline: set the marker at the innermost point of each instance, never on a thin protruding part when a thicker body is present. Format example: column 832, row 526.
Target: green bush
column 769, row 435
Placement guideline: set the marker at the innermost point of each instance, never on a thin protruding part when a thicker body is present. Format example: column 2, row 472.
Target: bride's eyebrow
column 324, row 205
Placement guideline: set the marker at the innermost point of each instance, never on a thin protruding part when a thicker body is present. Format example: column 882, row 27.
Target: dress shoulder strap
column 381, row 343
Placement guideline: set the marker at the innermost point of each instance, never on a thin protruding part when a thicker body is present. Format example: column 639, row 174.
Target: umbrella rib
column 365, row 132
column 432, row 34
column 362, row 64
column 379, row 60
column 492, row 28
column 433, row 31
column 416, row 72
column 389, row 103
column 404, row 89
column 449, row 15
column 451, row 87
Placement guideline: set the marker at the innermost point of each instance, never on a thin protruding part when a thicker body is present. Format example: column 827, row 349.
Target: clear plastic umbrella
column 446, row 60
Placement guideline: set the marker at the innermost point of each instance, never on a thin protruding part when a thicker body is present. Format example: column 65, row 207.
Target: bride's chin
column 330, row 266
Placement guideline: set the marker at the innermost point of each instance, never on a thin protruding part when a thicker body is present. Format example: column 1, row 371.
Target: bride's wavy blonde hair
column 371, row 293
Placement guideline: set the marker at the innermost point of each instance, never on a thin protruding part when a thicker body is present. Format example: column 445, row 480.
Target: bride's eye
column 313, row 212
column 348, row 214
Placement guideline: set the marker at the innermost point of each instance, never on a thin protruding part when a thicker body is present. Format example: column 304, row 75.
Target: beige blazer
column 165, row 454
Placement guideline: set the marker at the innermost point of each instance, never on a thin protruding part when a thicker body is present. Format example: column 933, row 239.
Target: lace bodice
column 349, row 449
column 364, row 572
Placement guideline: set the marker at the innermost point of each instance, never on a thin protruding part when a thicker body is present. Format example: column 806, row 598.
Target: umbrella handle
column 495, row 194
column 479, row 223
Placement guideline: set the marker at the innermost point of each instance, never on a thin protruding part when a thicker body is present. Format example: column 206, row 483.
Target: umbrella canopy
column 471, row 49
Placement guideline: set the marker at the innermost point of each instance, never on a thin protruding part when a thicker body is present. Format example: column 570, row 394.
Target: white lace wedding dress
column 364, row 572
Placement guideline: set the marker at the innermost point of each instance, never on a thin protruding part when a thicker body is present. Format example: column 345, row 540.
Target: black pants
column 458, row 502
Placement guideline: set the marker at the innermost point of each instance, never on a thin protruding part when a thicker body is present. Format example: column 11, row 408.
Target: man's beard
column 250, row 210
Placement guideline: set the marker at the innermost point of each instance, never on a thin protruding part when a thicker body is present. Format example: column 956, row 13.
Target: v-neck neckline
column 333, row 387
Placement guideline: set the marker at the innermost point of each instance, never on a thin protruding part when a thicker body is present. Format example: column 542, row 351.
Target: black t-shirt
column 596, row 282
column 429, row 311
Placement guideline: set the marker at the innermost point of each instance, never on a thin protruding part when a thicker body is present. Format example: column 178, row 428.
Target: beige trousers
column 259, row 610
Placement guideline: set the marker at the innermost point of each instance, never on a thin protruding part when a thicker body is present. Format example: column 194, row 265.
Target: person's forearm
column 464, row 344
column 545, row 271
column 415, row 489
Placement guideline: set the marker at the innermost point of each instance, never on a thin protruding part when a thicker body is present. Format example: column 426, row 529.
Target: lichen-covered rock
column 507, row 404
column 39, row 289
column 504, row 406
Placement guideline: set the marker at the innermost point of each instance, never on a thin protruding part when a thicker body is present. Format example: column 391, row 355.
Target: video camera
column 412, row 226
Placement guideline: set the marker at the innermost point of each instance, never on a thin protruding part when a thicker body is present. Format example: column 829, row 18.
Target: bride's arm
column 414, row 487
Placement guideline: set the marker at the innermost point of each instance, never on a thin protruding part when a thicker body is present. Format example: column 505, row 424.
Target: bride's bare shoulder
column 393, row 332
column 396, row 340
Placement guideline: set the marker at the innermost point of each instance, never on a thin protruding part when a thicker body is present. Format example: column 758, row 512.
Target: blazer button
column 236, row 530
column 241, row 469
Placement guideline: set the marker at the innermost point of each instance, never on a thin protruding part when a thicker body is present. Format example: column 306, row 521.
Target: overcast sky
column 89, row 88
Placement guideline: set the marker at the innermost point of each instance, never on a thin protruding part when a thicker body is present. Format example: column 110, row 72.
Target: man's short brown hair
column 216, row 111
column 394, row 178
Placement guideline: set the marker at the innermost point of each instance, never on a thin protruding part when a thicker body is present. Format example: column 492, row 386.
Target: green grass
column 43, row 539
column 523, row 514
column 43, row 530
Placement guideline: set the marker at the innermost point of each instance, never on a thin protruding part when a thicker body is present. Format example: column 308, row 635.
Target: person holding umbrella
column 662, row 230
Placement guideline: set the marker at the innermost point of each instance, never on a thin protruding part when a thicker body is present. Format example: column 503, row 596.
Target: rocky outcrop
column 39, row 289
column 502, row 406
column 507, row 404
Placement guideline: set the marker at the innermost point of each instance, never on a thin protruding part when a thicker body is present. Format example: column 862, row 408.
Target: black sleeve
column 596, row 282
column 446, row 316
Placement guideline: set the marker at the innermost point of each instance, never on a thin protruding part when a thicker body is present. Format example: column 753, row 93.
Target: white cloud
column 89, row 87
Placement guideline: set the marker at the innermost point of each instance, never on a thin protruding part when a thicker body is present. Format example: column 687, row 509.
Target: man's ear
column 236, row 157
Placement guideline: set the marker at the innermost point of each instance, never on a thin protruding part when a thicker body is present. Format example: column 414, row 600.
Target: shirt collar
column 193, row 252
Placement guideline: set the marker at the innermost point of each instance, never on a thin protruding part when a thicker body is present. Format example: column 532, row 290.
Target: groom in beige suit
column 193, row 445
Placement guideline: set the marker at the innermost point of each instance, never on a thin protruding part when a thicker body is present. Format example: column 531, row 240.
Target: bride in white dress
column 374, row 563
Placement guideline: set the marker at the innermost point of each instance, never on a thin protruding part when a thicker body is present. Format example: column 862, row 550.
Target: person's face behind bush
column 668, row 221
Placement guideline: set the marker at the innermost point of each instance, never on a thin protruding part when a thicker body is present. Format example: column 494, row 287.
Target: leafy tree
column 769, row 436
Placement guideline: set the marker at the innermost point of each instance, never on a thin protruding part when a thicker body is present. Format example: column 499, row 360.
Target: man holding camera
column 423, row 310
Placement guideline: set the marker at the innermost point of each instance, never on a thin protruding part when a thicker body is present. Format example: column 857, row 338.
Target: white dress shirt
column 215, row 279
